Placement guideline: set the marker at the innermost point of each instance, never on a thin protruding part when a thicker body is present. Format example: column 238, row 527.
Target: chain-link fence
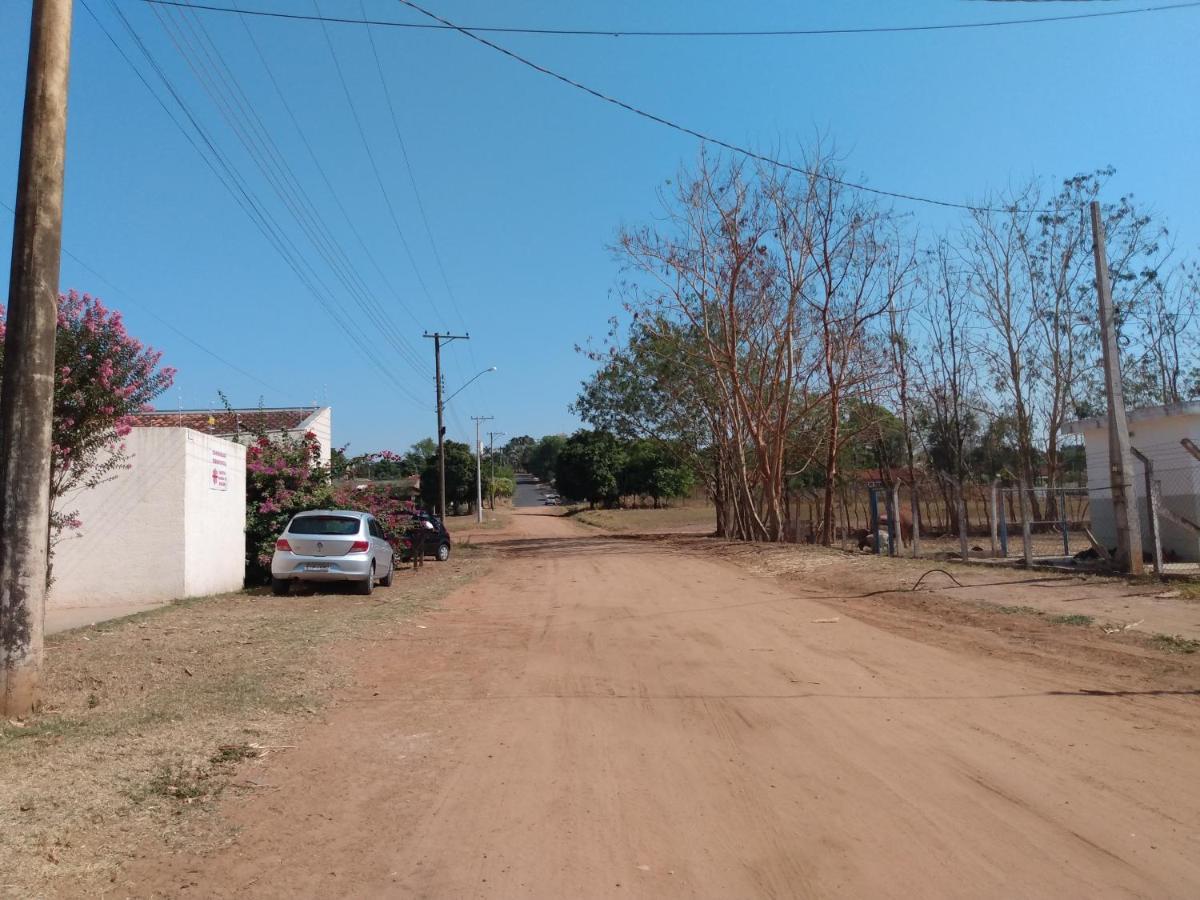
column 1043, row 524
column 1168, row 499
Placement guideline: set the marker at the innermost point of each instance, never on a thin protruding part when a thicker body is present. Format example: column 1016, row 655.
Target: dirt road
column 608, row 718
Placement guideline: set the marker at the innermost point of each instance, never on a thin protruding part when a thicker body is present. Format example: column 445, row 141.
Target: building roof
column 1141, row 414
column 226, row 422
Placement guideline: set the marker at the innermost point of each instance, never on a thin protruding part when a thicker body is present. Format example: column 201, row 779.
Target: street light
column 465, row 386
column 442, row 444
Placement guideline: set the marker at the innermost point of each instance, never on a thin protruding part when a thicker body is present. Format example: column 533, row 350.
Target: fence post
column 899, row 527
column 995, row 509
column 1026, row 536
column 875, row 518
column 891, row 523
column 916, row 521
column 845, row 519
column 962, row 520
column 1062, row 520
column 1152, row 512
column 1003, row 523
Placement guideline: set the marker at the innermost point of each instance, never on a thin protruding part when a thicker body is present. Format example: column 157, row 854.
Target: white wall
column 1176, row 470
column 157, row 531
column 320, row 423
column 214, row 539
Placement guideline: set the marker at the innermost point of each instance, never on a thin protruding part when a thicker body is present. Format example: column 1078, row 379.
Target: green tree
column 589, row 467
column 460, row 477
column 650, row 471
column 419, row 453
column 517, row 452
column 543, row 458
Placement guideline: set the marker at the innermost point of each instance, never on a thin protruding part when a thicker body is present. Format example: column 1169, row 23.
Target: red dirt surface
column 613, row 718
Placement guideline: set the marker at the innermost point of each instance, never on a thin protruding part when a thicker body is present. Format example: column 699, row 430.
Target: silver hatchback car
column 332, row 545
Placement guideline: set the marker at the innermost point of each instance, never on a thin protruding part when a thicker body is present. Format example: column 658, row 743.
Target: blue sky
column 525, row 181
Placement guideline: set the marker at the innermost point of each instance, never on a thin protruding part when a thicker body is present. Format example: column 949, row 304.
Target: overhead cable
column 222, row 85
column 146, row 308
column 727, row 33
column 707, row 138
column 231, row 180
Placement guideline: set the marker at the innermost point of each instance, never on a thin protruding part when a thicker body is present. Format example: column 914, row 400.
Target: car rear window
column 324, row 525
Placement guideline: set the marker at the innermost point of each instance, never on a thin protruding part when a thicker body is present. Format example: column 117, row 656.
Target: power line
column 230, row 179
column 619, row 32
column 371, row 158
column 321, row 170
column 413, row 182
column 165, row 322
column 240, row 114
column 408, row 167
column 684, row 129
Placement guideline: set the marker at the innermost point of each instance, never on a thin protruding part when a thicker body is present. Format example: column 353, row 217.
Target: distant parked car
column 437, row 543
column 551, row 500
column 332, row 545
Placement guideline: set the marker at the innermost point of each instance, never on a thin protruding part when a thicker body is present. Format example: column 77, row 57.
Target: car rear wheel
column 386, row 581
column 366, row 587
column 280, row 587
column 443, row 552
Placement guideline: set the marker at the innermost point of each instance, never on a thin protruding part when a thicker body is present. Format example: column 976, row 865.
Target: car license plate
column 317, row 567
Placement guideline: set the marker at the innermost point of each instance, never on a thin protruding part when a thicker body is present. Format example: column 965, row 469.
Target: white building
column 1156, row 431
column 171, row 526
column 241, row 425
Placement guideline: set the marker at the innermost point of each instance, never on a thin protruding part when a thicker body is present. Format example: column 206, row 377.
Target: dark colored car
column 437, row 541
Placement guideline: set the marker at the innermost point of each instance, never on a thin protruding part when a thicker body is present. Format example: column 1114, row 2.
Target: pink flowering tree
column 103, row 375
column 284, row 476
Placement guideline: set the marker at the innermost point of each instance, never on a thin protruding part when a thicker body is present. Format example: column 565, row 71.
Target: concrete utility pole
column 438, row 340
column 492, row 435
column 27, row 396
column 1120, row 459
column 479, row 467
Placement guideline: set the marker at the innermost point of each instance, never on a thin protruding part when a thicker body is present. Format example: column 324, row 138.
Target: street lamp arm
column 465, row 386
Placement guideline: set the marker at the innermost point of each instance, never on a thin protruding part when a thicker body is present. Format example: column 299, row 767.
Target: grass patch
column 177, row 781
column 697, row 518
column 146, row 719
column 1174, row 643
column 234, row 753
column 1018, row 610
column 492, row 520
column 1075, row 619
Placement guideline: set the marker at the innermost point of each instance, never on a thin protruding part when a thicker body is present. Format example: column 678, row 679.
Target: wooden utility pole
column 1120, row 459
column 27, row 395
column 478, row 420
column 438, row 340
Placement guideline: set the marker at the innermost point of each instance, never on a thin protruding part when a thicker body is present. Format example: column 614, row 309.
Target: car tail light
column 359, row 547
column 282, row 544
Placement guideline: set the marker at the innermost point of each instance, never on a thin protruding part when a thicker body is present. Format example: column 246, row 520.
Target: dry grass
column 148, row 719
column 686, row 518
column 492, row 520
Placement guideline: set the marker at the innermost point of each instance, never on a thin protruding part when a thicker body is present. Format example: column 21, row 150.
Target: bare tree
column 1166, row 346
column 994, row 251
column 947, row 372
column 857, row 277
column 726, row 265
